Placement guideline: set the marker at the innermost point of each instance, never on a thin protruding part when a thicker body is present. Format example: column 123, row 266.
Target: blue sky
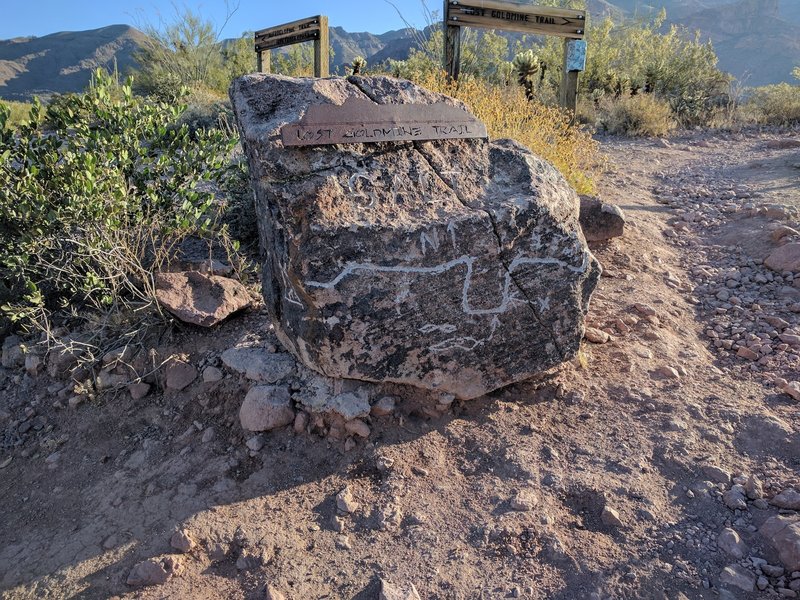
column 40, row 17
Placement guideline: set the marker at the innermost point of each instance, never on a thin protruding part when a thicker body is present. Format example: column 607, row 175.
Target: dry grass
column 547, row 131
column 640, row 115
column 20, row 113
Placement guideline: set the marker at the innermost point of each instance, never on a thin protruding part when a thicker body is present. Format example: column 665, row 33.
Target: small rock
column 179, row 375
column 357, row 427
column 762, row 583
column 716, row 474
column 300, row 422
column 784, row 534
column 753, row 488
column 792, row 388
column 773, row 571
column 255, row 443
column 259, row 364
column 252, row 558
column 266, row 407
column 208, row 435
column 345, row 502
column 730, row 542
column 788, row 499
column 212, row 374
column 13, row 356
column 596, row 336
column 645, row 309
column 272, row 593
column 784, row 258
column 746, row 353
column 524, row 501
column 343, row 542
column 155, row 571
column 182, row 541
column 610, row 518
column 599, row 220
column 139, row 390
column 393, row 592
column 383, row 407
column 668, row 372
column 75, row 401
column 735, row 498
column 199, row 299
column 33, row 364
column 739, row 577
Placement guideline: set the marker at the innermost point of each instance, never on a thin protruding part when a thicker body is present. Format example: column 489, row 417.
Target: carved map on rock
column 362, row 121
column 454, row 264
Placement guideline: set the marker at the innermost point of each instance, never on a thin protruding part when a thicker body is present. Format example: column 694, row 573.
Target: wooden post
column 452, row 47
column 568, row 94
column 322, row 50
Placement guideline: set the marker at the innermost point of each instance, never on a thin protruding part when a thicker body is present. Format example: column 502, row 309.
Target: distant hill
column 758, row 41
column 63, row 62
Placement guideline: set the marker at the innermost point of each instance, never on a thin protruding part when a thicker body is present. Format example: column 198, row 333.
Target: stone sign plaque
column 360, row 121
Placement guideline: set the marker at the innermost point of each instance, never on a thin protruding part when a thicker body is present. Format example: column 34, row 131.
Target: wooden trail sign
column 361, row 121
column 305, row 30
column 510, row 16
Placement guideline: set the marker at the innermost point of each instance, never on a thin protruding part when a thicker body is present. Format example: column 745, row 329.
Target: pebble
column 345, row 503
column 139, row 390
column 300, row 422
column 255, row 443
column 182, row 541
column 212, row 374
column 383, row 407
column 179, row 375
column 523, row 501
column 357, row 427
column 596, row 336
column 208, row 435
column 272, row 593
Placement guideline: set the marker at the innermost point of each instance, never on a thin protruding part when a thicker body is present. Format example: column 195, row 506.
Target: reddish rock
column 200, row 299
column 179, row 375
column 785, row 258
column 266, row 407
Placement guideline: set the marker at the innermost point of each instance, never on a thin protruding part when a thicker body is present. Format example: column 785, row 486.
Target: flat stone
column 394, row 592
column 266, row 407
column 788, row 498
column 259, row 364
column 476, row 243
column 745, row 352
column 357, row 427
column 178, row 375
column 716, row 474
column 272, row 593
column 599, row 220
column 610, row 517
column 739, row 577
column 792, row 388
column 200, row 299
column 596, row 336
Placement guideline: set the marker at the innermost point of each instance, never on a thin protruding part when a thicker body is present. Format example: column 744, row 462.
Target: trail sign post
column 510, row 16
column 305, row 30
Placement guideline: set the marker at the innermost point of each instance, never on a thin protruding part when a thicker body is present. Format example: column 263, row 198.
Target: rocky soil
column 662, row 463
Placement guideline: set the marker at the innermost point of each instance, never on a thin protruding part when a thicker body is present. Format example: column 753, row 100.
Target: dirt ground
column 601, row 480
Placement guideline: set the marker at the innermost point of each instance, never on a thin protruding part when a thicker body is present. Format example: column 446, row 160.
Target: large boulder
column 453, row 265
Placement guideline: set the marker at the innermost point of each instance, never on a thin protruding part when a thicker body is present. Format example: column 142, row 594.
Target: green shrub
column 775, row 104
column 640, row 115
column 92, row 205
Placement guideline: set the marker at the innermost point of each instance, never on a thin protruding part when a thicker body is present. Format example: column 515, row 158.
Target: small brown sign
column 295, row 32
column 509, row 16
column 361, row 121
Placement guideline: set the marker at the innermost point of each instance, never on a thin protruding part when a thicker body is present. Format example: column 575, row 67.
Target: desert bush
column 189, row 53
column 775, row 104
column 640, row 115
column 18, row 113
column 92, row 204
column 548, row 131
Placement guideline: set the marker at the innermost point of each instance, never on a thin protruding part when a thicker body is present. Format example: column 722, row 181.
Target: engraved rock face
column 453, row 265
